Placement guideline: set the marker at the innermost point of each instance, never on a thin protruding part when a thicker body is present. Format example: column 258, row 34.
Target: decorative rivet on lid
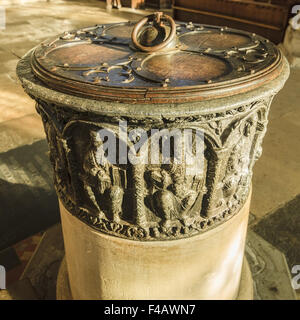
column 97, row 80
column 190, row 25
column 165, row 83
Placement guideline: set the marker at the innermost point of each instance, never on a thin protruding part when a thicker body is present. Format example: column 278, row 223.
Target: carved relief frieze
column 160, row 201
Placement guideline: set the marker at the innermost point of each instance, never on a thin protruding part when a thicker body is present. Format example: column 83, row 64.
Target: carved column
column 157, row 230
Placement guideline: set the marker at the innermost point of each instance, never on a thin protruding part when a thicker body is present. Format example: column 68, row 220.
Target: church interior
column 31, row 239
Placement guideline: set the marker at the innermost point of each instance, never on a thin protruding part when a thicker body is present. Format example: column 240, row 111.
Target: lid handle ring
column 158, row 24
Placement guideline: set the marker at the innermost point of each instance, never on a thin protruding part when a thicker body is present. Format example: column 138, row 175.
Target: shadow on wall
column 28, row 202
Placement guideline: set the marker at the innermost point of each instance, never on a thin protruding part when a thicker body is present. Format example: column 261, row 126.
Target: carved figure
column 116, row 199
column 171, row 196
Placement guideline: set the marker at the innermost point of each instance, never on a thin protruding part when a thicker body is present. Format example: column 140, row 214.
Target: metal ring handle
column 157, row 18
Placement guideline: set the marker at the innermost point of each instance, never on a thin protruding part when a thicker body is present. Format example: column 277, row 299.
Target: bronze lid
column 156, row 61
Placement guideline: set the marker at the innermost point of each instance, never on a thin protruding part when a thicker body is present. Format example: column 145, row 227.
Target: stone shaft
column 207, row 266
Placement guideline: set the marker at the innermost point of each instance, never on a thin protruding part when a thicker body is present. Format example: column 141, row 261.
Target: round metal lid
column 156, row 61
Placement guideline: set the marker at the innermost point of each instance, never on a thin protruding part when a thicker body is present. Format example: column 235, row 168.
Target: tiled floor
column 16, row 257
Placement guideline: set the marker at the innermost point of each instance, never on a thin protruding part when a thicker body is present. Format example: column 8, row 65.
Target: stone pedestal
column 140, row 221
